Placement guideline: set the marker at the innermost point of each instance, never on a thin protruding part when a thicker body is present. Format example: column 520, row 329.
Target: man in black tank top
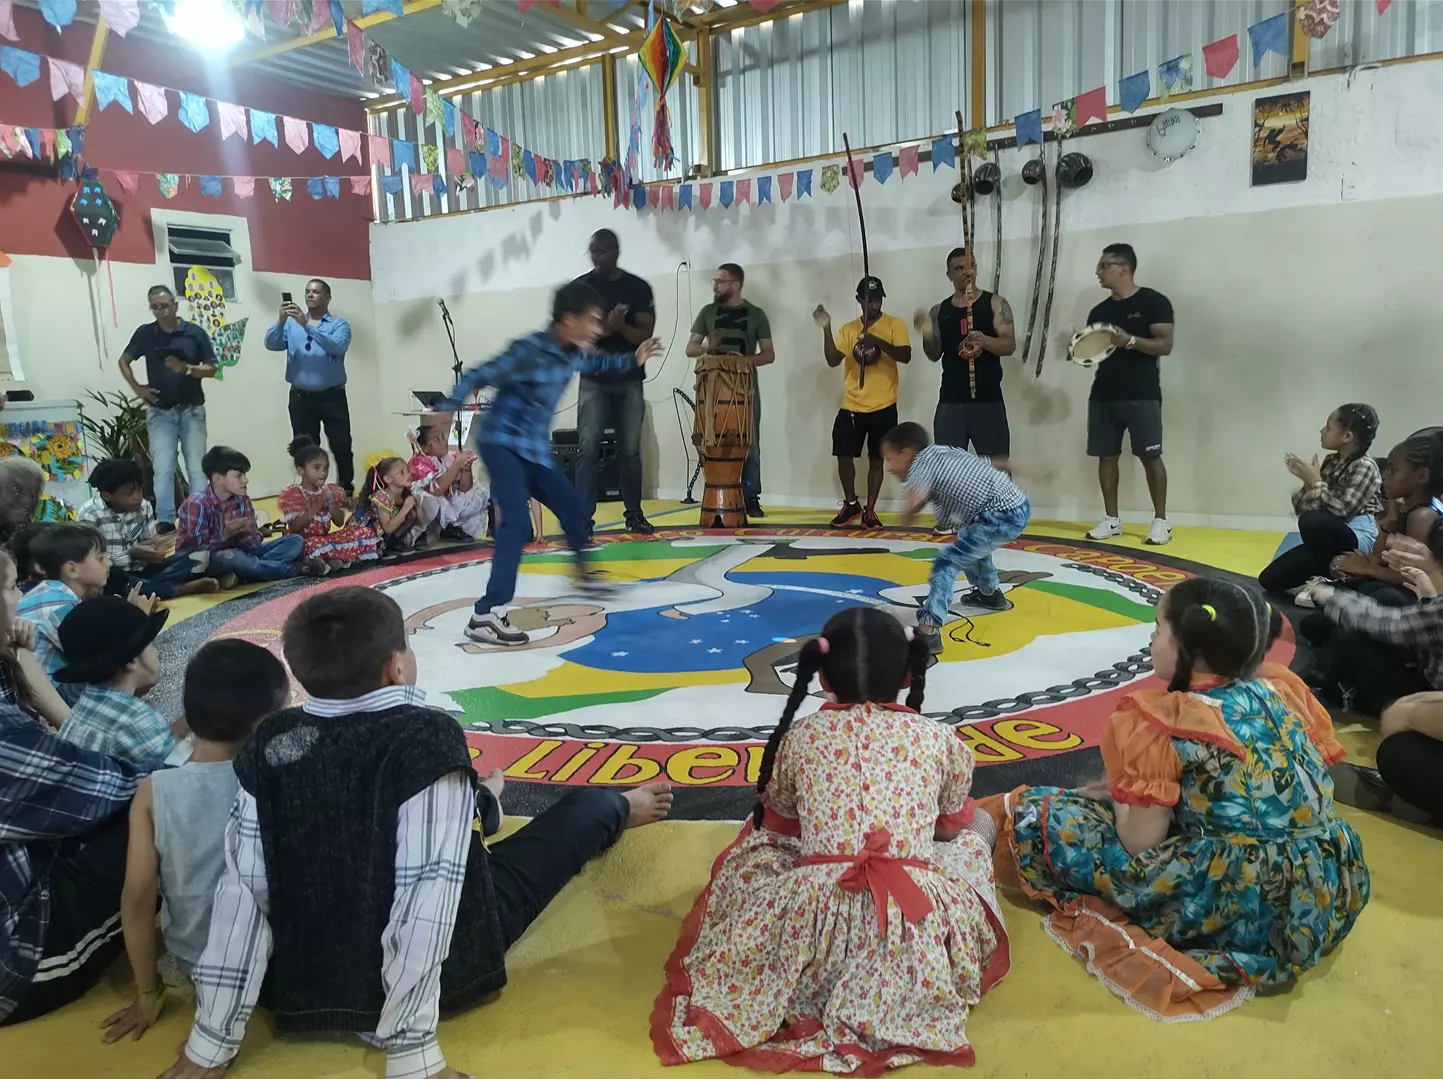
column 970, row 408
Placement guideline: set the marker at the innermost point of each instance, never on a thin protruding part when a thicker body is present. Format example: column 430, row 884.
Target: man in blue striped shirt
column 515, row 441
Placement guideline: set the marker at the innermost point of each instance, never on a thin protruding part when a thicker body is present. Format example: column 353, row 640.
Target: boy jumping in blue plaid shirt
column 515, row 441
column 970, row 495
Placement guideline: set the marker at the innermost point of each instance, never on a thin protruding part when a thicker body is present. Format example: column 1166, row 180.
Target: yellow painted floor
column 584, row 977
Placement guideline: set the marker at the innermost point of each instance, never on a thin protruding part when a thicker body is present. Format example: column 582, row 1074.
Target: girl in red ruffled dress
column 316, row 511
column 853, row 924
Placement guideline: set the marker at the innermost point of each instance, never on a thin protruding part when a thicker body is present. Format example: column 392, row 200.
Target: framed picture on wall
column 1280, row 139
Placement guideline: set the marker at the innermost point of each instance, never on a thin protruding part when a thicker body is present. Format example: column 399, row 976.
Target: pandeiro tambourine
column 1091, row 345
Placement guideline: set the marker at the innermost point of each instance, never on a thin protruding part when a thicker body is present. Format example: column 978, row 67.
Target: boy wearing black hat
column 108, row 648
column 871, row 348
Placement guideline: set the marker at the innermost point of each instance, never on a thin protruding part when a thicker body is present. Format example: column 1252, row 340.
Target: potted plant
column 123, row 434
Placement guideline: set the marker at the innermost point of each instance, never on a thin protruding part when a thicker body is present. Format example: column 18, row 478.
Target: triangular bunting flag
column 804, row 183
column 668, row 195
column 683, row 197
column 1270, row 35
column 944, row 152
column 245, row 186
column 908, row 161
column 194, row 111
column 232, row 120
column 350, row 145
column 298, row 134
column 263, row 128
column 1132, row 92
column 705, row 196
column 784, row 185
column 882, row 167
column 66, row 78
column 744, row 191
column 1091, row 106
column 380, row 150
column 764, row 190
column 128, row 181
column 1221, row 57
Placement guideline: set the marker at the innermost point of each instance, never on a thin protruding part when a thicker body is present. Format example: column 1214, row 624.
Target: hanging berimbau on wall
column 1280, row 139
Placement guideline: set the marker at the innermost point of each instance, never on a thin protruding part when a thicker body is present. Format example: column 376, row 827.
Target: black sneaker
column 754, row 509
column 932, row 635
column 637, row 523
column 493, row 629
column 849, row 513
column 593, row 583
column 996, row 600
column 870, row 520
column 456, row 534
column 163, row 527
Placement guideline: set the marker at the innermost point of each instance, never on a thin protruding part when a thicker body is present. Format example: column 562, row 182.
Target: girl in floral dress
column 317, row 511
column 447, row 474
column 404, row 516
column 1212, row 862
column 853, row 924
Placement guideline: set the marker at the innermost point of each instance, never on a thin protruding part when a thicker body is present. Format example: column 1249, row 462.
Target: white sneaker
column 1304, row 596
column 1105, row 529
column 1159, row 534
column 493, row 629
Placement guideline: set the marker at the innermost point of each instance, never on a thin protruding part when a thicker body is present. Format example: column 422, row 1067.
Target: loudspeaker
column 566, row 451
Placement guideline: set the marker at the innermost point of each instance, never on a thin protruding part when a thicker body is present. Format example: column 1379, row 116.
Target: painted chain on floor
column 683, row 673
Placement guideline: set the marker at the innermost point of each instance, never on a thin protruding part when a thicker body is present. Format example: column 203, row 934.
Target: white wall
column 70, row 341
column 1290, row 299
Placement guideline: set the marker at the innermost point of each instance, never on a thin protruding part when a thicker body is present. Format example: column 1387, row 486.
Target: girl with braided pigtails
column 1211, row 863
column 853, row 924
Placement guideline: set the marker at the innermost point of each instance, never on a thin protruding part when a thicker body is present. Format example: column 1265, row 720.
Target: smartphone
column 285, row 298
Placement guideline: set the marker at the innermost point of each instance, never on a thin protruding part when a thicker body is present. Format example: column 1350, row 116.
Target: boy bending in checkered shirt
column 968, row 494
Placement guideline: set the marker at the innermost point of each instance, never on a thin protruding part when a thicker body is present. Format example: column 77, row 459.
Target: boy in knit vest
column 178, row 821
column 356, row 885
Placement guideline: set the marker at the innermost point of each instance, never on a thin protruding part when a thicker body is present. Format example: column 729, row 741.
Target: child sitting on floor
column 355, row 885
column 404, row 516
column 73, row 559
column 27, row 570
column 178, row 821
column 220, row 519
column 1413, row 488
column 970, row 496
column 316, row 511
column 138, row 555
column 1212, row 862
column 853, row 924
column 447, row 474
column 1338, row 504
column 23, row 682
column 110, row 654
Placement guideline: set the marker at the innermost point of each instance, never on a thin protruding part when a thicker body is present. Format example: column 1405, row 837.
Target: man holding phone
column 178, row 355
column 315, row 344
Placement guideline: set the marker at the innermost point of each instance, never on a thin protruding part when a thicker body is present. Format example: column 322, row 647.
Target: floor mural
column 683, row 672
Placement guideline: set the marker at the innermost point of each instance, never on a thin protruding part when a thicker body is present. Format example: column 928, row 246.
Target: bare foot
column 496, row 781
column 199, row 587
column 648, row 804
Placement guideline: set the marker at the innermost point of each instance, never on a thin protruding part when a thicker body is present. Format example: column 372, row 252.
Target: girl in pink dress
column 853, row 924
column 446, row 474
column 316, row 511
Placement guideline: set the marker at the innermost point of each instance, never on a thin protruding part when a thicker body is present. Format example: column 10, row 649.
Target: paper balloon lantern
column 662, row 58
column 95, row 213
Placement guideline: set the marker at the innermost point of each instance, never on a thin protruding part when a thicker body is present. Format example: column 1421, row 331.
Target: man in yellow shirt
column 870, row 348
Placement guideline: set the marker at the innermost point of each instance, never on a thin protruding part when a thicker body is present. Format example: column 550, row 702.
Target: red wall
column 325, row 238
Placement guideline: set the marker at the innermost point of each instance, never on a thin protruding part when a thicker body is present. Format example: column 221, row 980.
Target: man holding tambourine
column 1126, row 334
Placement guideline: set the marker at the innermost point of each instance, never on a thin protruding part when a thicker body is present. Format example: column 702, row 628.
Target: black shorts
column 852, row 429
column 1107, row 420
column 982, row 423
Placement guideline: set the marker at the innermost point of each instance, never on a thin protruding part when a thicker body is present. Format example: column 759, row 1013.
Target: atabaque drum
column 725, row 385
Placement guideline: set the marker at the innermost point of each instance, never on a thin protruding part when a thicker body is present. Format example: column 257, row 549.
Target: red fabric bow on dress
column 884, row 875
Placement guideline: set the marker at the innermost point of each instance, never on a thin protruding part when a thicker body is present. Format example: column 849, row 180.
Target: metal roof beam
column 411, row 7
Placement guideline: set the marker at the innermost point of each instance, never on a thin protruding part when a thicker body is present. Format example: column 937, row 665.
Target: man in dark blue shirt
column 515, row 441
column 315, row 344
column 178, row 355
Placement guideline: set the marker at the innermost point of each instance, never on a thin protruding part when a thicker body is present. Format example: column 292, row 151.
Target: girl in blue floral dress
column 1212, row 863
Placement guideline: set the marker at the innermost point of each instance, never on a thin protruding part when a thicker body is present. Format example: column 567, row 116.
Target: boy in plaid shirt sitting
column 138, row 556
column 109, row 645
column 970, row 495
column 220, row 519
column 72, row 557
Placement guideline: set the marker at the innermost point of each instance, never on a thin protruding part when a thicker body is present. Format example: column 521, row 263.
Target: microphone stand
column 456, row 363
column 688, row 499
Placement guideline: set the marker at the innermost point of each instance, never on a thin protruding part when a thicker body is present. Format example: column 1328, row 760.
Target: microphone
column 445, row 314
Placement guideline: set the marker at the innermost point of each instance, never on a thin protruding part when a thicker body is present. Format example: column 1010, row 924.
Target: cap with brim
column 99, row 638
column 870, row 286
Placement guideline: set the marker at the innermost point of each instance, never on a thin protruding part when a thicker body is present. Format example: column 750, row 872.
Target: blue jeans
column 165, row 578
column 514, row 480
column 621, row 407
column 269, row 562
column 971, row 554
column 752, row 467
column 180, row 428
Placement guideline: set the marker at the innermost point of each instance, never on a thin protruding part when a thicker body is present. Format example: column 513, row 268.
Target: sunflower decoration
column 52, row 509
column 8, row 449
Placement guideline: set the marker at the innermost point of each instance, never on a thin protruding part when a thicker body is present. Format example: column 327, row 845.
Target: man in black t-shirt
column 970, row 409
column 1126, row 389
column 615, row 401
column 178, row 355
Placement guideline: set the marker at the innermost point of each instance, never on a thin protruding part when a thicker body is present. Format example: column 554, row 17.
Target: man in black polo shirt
column 615, row 401
column 178, row 355
column 1127, row 391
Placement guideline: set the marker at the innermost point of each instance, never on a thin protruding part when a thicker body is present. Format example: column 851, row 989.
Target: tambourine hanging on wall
column 1172, row 134
column 1091, row 345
